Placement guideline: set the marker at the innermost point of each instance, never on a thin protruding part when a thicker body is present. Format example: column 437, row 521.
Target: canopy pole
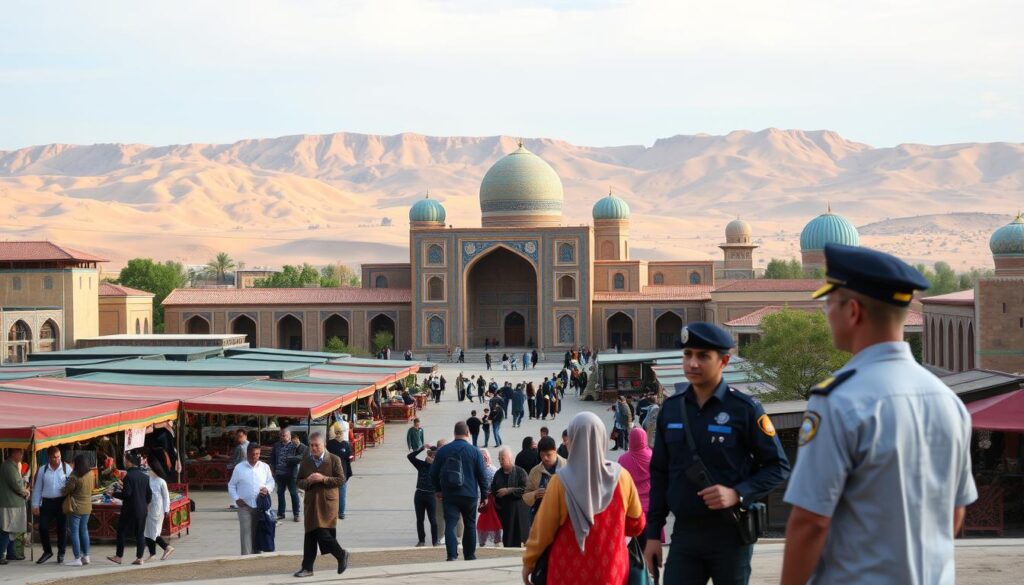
column 31, row 482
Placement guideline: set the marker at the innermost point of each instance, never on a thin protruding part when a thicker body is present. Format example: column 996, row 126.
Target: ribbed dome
column 738, row 232
column 521, row 190
column 828, row 228
column 611, row 207
column 427, row 210
column 1009, row 239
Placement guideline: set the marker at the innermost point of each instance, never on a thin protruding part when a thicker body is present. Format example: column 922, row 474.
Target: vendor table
column 399, row 412
column 103, row 521
column 372, row 435
column 201, row 473
column 421, row 400
column 358, row 445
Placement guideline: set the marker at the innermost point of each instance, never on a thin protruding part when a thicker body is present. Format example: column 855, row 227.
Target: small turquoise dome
column 521, row 189
column 1009, row 239
column 611, row 207
column 427, row 210
column 828, row 228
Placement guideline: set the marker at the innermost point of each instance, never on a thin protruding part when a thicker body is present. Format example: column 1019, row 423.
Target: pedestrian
column 458, row 474
column 481, row 387
column 651, row 422
column 320, row 475
column 591, row 508
column 542, row 400
column 622, row 422
column 637, row 461
column 435, row 389
column 13, row 495
column 706, row 474
column 488, row 523
column 497, row 416
column 486, row 426
column 563, row 449
column 238, row 454
column 159, row 507
column 135, row 494
column 884, row 467
column 162, row 446
column 249, row 479
column 439, row 506
column 533, row 358
column 414, row 436
column 526, row 360
column 540, row 475
column 507, row 487
column 518, row 405
column 487, row 360
column 513, row 361
column 444, row 383
column 528, row 457
column 504, row 362
column 284, row 461
column 474, row 425
column 78, row 507
column 342, row 449
column 531, row 400
column 423, row 497
column 462, row 356
column 47, row 503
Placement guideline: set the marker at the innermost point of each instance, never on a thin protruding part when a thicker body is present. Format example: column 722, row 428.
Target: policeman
column 741, row 461
column 884, row 469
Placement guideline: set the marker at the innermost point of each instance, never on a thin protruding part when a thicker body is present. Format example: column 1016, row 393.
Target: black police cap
column 704, row 335
column 871, row 273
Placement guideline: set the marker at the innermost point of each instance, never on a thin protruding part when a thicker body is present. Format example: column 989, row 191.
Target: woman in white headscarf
column 589, row 508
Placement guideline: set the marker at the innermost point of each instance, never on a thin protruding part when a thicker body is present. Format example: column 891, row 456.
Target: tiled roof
column 754, row 319
column 771, row 285
column 287, row 296
column 697, row 292
column 109, row 289
column 914, row 319
column 963, row 297
column 42, row 251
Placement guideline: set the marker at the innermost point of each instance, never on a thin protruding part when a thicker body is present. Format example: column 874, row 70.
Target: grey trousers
column 247, row 529
column 460, row 528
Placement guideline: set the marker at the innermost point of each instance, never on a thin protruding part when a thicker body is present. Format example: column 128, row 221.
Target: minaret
column 738, row 250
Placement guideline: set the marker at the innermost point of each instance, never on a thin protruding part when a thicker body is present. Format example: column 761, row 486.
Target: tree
column 336, row 345
column 794, row 353
column 944, row 279
column 291, row 277
column 783, row 269
column 219, row 267
column 382, row 339
column 157, row 278
column 335, row 275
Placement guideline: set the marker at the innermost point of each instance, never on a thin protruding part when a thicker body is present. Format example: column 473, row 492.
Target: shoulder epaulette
column 829, row 384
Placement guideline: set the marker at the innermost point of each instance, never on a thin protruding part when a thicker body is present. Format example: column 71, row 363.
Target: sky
column 597, row 73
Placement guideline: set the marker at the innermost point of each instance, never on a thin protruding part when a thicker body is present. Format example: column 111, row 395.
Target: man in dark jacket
column 341, row 448
column 135, row 495
column 457, row 473
column 284, row 461
column 423, row 500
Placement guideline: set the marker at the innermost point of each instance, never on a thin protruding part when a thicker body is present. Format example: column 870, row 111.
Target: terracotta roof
column 754, row 319
column 697, row 292
column 42, row 251
column 771, row 285
column 963, row 297
column 287, row 296
column 914, row 319
column 109, row 289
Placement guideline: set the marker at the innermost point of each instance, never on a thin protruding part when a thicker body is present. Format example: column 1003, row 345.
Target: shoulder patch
column 829, row 384
column 809, row 427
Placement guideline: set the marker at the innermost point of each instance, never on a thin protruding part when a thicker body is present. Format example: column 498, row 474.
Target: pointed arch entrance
column 196, row 325
column 382, row 323
column 667, row 330
column 620, row 331
column 19, row 342
column 501, row 300
column 244, row 325
column 335, row 326
column 289, row 333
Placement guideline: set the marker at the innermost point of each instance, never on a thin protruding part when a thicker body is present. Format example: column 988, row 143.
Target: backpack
column 452, row 476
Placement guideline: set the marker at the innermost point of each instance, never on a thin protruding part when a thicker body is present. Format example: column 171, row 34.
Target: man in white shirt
column 249, row 479
column 47, row 503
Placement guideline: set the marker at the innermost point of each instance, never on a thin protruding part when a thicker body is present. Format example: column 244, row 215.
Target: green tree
column 382, row 339
column 336, row 345
column 794, row 353
column 335, row 275
column 219, row 267
column 157, row 278
column 784, row 269
column 291, row 277
column 944, row 279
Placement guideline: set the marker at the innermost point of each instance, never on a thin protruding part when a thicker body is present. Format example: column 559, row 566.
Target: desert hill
column 322, row 198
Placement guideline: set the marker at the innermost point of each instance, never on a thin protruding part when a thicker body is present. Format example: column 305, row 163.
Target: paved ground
column 380, row 522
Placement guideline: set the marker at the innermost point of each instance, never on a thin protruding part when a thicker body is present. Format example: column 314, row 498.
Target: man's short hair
column 52, row 449
column 242, row 432
column 546, row 444
column 545, row 431
column 461, row 429
column 133, row 458
column 253, row 446
column 415, row 420
column 316, row 437
column 565, row 433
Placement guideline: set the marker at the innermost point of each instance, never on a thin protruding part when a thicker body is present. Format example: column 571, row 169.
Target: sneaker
column 73, row 563
column 137, row 562
column 420, row 543
column 167, row 553
column 440, row 542
column 86, row 560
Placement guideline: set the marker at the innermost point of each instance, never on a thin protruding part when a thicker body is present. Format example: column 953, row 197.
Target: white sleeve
column 233, row 485
column 166, row 496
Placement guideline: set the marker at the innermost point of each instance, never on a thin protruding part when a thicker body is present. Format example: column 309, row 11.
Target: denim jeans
column 466, row 507
column 286, row 483
column 7, row 545
column 487, row 435
column 496, row 425
column 517, row 418
column 78, row 527
column 341, row 498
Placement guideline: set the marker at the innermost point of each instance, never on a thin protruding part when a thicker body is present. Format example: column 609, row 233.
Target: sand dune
column 281, row 200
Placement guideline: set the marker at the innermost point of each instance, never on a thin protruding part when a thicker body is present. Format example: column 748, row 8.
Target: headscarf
column 637, row 461
column 589, row 479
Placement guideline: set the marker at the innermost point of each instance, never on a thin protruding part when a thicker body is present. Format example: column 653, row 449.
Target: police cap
column 703, row 335
column 871, row 273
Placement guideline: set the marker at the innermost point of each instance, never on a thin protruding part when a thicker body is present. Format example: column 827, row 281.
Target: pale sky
column 603, row 72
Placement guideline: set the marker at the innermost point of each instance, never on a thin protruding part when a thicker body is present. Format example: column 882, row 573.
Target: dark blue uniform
column 737, row 443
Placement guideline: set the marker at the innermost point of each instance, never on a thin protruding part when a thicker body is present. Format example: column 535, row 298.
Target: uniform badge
column 766, row 426
column 684, row 335
column 809, row 427
column 722, row 418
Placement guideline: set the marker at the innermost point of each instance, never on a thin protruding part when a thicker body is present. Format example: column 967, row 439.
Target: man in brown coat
column 320, row 475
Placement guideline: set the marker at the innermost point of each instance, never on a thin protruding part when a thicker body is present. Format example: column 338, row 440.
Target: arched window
column 566, row 253
column 694, row 278
column 19, row 338
column 566, row 329
column 941, row 348
column 196, row 325
column 566, row 287
column 435, row 330
column 970, row 346
column 435, row 289
column 659, row 278
column 380, row 282
column 619, row 281
column 48, row 282
column 961, row 347
column 138, row 326
column 47, row 337
column 435, row 254
column 145, row 325
column 951, row 364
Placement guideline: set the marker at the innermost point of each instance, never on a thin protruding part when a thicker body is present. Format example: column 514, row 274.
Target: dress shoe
column 296, row 519
column 303, row 573
column 16, row 557
column 60, row 559
column 343, row 563
column 46, row 556
column 3, row 561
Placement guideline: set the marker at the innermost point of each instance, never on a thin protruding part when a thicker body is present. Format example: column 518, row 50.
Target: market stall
column 998, row 424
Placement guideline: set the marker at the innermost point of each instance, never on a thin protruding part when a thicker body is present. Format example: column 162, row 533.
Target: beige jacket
column 533, row 481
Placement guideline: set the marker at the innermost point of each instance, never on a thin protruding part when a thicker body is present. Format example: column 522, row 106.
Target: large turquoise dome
column 611, row 207
column 427, row 210
column 1009, row 239
column 521, row 190
column 828, row 228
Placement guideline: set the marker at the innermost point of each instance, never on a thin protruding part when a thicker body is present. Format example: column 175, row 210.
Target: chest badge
column 722, row 418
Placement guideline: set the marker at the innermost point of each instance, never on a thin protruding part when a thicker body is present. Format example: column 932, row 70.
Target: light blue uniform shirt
column 886, row 455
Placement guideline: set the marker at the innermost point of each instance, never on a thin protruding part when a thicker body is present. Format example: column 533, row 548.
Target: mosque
column 522, row 279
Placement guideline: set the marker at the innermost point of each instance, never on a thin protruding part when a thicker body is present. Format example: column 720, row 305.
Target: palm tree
column 220, row 266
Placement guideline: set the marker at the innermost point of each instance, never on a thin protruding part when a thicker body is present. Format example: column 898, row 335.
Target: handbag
column 539, row 575
column 638, row 572
column 68, row 505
